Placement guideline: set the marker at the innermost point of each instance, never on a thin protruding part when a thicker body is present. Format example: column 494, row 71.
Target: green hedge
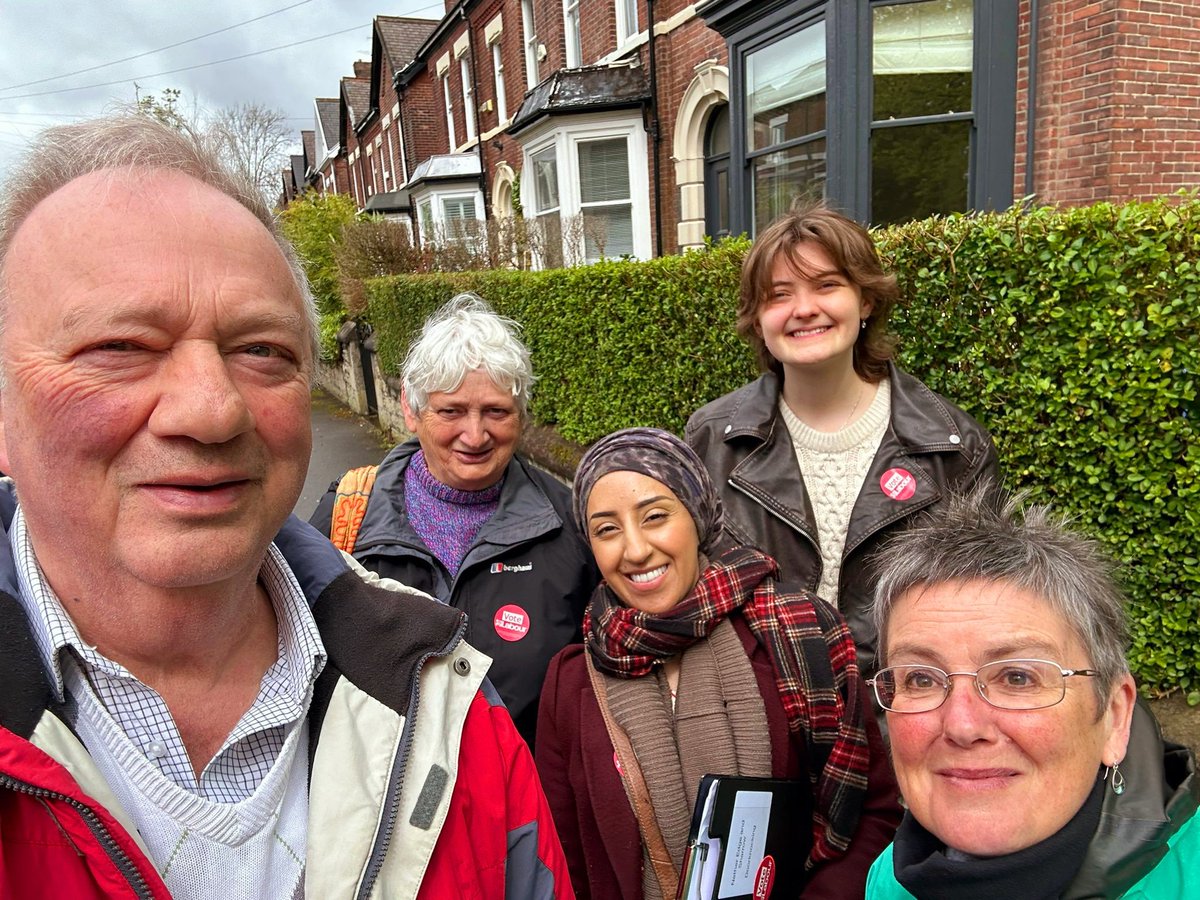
column 1072, row 335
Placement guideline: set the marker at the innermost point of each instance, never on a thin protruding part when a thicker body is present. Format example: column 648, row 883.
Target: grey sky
column 41, row 40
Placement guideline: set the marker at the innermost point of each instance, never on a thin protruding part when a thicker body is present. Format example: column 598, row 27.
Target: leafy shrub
column 369, row 247
column 314, row 223
column 1071, row 334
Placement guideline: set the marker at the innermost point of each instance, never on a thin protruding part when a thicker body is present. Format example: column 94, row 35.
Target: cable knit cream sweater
column 833, row 466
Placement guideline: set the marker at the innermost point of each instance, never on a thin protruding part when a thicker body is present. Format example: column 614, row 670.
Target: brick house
column 625, row 139
column 330, row 169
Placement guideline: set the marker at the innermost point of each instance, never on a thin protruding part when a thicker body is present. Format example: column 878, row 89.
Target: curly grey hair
column 464, row 335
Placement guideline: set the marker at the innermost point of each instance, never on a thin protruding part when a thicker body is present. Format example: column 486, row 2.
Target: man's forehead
column 125, row 236
column 125, row 192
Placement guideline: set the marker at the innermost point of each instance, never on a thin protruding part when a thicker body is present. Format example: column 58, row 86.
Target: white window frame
column 449, row 97
column 434, row 201
column 572, row 37
column 530, row 44
column 627, row 21
column 565, row 135
column 391, row 160
column 498, row 73
column 468, row 94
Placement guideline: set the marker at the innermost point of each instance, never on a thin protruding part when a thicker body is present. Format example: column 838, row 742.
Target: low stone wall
column 387, row 400
column 343, row 377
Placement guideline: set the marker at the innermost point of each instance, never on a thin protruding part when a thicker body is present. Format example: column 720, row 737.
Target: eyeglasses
column 1005, row 684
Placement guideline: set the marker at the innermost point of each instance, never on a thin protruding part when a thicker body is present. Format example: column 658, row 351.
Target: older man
column 197, row 697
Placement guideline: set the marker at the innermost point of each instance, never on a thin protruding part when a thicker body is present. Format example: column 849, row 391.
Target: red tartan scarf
column 811, row 652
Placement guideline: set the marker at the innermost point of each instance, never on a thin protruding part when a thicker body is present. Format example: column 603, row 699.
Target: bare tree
column 253, row 139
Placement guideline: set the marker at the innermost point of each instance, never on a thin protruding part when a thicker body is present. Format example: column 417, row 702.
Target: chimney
column 362, row 68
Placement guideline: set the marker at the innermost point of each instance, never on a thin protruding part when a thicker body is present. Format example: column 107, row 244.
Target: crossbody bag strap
column 350, row 505
column 635, row 785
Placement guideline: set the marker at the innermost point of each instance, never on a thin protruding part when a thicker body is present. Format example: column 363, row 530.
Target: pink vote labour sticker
column 899, row 484
column 511, row 622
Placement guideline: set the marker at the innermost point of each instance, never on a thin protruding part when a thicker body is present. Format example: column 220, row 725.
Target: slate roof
column 389, row 201
column 327, row 120
column 402, row 37
column 308, row 139
column 588, row 89
column 447, row 167
column 356, row 92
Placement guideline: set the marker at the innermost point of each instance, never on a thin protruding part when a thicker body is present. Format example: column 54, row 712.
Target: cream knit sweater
column 833, row 466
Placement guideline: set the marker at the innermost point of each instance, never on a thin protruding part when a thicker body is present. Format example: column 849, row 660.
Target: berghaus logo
column 497, row 568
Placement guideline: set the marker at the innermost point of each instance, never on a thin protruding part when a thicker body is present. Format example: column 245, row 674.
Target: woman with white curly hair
column 456, row 513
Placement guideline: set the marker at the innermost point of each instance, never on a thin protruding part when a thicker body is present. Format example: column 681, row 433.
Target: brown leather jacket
column 749, row 453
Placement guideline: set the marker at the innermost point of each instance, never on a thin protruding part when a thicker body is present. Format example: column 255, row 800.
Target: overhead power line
column 215, row 62
column 191, row 40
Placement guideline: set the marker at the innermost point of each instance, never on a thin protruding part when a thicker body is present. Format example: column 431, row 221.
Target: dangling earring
column 862, row 325
column 1118, row 780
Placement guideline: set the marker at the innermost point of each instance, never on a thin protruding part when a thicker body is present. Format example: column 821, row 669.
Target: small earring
column 862, row 325
column 1118, row 780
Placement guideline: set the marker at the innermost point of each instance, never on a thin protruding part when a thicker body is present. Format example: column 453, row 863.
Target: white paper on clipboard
column 747, row 843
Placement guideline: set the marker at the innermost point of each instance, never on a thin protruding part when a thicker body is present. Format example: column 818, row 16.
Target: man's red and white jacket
column 419, row 786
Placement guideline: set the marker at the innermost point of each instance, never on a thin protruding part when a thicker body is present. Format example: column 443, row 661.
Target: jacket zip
column 383, row 838
column 107, row 843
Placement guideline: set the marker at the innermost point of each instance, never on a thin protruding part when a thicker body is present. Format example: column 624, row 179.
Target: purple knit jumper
column 446, row 518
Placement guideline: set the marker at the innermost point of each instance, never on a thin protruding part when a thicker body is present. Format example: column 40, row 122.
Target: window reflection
column 919, row 170
column 785, row 88
column 922, row 57
column 785, row 176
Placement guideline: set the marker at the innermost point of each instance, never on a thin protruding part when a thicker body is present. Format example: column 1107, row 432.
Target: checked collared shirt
column 251, row 748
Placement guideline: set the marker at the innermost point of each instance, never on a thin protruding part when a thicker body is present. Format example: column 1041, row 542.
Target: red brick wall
column 423, row 118
column 1118, row 112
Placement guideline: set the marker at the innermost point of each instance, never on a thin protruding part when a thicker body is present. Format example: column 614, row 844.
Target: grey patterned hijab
column 659, row 455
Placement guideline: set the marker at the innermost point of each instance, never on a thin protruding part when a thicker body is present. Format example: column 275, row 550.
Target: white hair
column 465, row 335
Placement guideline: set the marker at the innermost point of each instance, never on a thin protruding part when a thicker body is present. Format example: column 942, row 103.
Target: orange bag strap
column 350, row 505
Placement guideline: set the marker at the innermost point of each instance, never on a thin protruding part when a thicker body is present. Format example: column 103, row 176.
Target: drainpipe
column 483, row 186
column 1031, row 99
column 655, row 136
column 400, row 131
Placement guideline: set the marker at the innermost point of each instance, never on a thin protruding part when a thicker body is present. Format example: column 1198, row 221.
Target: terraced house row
column 639, row 127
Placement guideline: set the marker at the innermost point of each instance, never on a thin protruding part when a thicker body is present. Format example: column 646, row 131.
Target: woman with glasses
column 1028, row 768
column 694, row 665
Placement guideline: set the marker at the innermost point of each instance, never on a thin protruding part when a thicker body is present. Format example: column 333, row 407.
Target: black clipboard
column 749, row 839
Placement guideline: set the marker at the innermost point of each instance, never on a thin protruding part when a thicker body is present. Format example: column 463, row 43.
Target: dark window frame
column 749, row 26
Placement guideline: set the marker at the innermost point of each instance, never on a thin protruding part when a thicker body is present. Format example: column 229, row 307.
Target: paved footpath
column 341, row 441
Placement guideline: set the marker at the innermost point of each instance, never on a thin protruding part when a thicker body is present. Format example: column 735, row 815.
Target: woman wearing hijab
column 694, row 666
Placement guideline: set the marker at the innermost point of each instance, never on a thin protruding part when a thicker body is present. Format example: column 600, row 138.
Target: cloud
column 52, row 39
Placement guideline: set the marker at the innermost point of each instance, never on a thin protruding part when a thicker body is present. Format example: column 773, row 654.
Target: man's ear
column 3, row 440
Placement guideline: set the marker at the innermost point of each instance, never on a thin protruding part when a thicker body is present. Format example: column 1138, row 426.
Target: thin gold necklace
column 861, row 388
